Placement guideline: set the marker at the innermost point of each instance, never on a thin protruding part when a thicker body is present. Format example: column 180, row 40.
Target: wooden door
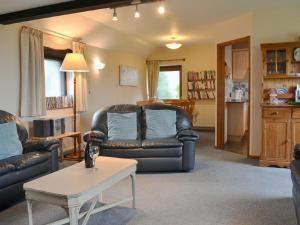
column 240, row 64
column 276, row 142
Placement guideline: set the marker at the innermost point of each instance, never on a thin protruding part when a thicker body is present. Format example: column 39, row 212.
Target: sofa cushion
column 160, row 124
column 27, row 160
column 122, row 126
column 161, row 143
column 122, row 144
column 10, row 145
column 143, row 153
column 6, row 168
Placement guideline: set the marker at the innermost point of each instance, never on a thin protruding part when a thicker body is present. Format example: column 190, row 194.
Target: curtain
column 32, row 100
column 152, row 78
column 81, row 82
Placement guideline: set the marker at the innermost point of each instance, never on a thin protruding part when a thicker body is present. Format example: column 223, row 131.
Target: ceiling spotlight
column 161, row 8
column 173, row 45
column 115, row 16
column 137, row 13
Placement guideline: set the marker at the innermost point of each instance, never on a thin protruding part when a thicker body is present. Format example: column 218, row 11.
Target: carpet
column 224, row 189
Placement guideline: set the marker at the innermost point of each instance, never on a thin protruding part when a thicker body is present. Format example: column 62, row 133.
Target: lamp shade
column 74, row 62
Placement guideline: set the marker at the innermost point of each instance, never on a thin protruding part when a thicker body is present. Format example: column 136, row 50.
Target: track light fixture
column 115, row 15
column 161, row 8
column 137, row 13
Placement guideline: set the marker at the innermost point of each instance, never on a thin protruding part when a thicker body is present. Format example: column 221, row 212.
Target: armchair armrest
column 187, row 135
column 95, row 137
column 40, row 145
column 297, row 151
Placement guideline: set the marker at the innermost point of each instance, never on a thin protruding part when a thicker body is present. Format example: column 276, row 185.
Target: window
column 55, row 80
column 169, row 82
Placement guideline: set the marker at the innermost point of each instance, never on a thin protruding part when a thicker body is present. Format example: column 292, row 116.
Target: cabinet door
column 240, row 61
column 295, row 133
column 276, row 140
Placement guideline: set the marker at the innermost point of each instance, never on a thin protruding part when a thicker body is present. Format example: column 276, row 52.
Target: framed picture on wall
column 128, row 76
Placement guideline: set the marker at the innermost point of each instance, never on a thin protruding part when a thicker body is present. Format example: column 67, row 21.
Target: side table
column 76, row 155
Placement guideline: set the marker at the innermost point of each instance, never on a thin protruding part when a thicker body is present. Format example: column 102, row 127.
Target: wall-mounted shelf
column 201, row 85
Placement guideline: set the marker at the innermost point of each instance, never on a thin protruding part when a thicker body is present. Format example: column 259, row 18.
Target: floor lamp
column 74, row 62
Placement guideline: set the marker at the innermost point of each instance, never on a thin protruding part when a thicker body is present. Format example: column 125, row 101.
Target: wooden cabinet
column 237, row 120
column 276, row 142
column 281, row 131
column 240, row 64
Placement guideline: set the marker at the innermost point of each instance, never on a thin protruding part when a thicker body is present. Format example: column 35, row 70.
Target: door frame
column 220, row 141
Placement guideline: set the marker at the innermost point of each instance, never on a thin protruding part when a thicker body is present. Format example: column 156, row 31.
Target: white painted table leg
column 73, row 214
column 29, row 209
column 100, row 197
column 133, row 189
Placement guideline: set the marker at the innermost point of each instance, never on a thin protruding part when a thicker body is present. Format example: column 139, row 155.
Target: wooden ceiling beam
column 63, row 8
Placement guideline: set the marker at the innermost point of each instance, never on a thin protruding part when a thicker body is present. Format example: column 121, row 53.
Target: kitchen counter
column 242, row 101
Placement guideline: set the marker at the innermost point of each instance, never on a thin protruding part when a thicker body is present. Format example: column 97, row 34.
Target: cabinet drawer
column 296, row 113
column 277, row 113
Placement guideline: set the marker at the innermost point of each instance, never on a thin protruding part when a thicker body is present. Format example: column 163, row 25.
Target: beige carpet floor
column 224, row 189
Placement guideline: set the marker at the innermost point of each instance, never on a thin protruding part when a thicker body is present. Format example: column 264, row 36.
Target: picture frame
column 128, row 76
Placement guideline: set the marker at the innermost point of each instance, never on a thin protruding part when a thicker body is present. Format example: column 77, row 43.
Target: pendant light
column 161, row 9
column 173, row 45
column 137, row 13
column 115, row 15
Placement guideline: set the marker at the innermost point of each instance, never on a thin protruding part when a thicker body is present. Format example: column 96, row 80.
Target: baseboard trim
column 253, row 157
column 199, row 128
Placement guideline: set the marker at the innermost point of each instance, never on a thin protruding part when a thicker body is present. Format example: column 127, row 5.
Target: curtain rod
column 167, row 60
column 56, row 34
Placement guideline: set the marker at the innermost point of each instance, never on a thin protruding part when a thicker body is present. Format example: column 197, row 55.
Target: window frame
column 58, row 55
column 170, row 68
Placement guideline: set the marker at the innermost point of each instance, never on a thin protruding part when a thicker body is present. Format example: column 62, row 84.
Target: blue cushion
column 10, row 144
column 160, row 124
column 122, row 126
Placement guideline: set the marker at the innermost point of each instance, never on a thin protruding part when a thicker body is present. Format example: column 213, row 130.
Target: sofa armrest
column 40, row 145
column 95, row 137
column 297, row 151
column 187, row 135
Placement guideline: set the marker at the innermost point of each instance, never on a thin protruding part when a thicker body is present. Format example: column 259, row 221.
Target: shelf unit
column 279, row 122
column 201, row 85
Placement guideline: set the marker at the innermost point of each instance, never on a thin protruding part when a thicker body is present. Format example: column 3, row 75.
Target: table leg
column 61, row 150
column 73, row 215
column 79, row 146
column 75, row 145
column 29, row 209
column 133, row 189
column 100, row 197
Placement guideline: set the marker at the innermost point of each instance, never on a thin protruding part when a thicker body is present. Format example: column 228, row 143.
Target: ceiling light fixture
column 173, row 45
column 115, row 15
column 161, row 8
column 137, row 13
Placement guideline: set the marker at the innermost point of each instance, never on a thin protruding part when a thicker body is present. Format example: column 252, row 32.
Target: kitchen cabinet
column 240, row 64
column 237, row 120
column 276, row 137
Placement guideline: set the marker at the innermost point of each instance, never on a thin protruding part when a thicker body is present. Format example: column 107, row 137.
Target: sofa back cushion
column 122, row 126
column 160, row 124
column 10, row 145
column 6, row 117
column 183, row 121
column 100, row 117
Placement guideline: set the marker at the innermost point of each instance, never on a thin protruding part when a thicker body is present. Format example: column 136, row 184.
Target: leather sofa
column 295, row 175
column 172, row 154
column 38, row 158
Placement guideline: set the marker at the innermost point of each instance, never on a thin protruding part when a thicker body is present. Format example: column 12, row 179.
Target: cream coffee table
column 71, row 187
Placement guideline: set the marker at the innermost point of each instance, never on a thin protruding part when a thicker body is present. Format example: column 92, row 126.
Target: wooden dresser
column 280, row 122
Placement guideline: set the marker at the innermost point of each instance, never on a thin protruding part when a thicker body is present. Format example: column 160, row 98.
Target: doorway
column 233, row 95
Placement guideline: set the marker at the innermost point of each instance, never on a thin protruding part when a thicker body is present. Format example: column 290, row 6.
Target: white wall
column 9, row 68
column 198, row 57
column 104, row 88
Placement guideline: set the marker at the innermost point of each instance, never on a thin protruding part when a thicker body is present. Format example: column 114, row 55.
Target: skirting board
column 198, row 128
